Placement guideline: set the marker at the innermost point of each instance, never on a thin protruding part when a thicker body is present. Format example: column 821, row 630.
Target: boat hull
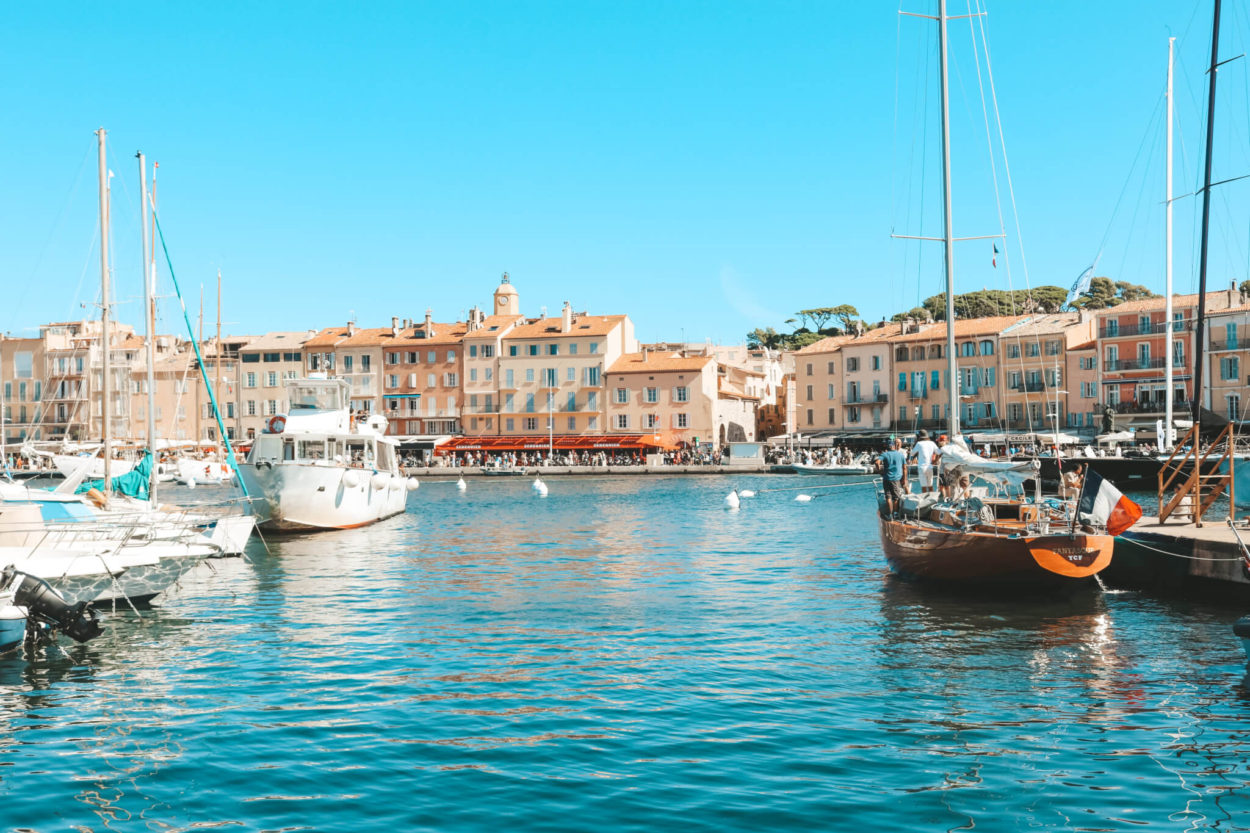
column 981, row 558
column 303, row 497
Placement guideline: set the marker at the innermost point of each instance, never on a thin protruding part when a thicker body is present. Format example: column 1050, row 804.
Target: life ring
column 276, row 424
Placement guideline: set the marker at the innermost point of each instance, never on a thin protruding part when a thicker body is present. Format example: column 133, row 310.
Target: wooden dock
column 1176, row 556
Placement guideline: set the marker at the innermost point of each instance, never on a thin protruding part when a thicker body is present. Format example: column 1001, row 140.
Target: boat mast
column 104, row 311
column 1166, row 440
column 199, row 431
column 149, row 321
column 217, row 363
column 952, row 385
column 1206, row 219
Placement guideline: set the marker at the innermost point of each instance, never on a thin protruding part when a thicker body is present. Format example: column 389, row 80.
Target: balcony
column 866, row 399
column 1028, row 387
column 1133, row 364
column 919, row 393
column 1229, row 344
column 1138, row 330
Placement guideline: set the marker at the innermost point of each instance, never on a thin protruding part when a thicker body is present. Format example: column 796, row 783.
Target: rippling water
column 624, row 654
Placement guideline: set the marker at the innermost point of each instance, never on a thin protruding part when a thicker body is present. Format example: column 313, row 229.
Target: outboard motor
column 45, row 605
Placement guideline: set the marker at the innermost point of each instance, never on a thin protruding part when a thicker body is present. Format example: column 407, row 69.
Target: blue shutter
column 902, row 381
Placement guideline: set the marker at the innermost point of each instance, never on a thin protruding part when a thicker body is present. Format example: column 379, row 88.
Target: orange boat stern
column 1076, row 556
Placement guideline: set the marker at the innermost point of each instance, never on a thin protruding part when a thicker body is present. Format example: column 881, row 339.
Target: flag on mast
column 994, row 259
column 1104, row 504
column 1081, row 286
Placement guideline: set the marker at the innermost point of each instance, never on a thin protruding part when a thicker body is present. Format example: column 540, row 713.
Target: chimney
column 394, row 326
column 351, row 328
column 429, row 323
column 566, row 318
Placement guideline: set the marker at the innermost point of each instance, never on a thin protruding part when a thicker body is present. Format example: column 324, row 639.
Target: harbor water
column 625, row 654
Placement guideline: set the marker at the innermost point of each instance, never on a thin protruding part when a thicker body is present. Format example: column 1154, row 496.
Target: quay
column 1182, row 557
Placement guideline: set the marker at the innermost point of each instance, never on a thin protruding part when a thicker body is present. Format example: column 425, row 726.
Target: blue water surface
column 625, row 654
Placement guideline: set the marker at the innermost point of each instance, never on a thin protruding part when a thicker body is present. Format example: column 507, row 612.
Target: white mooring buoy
column 802, row 498
column 460, row 484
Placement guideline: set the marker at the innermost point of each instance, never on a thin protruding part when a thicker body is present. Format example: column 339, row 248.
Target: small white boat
column 316, row 468
column 69, row 464
column 803, row 468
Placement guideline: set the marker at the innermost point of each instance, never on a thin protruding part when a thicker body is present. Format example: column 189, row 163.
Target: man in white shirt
column 922, row 452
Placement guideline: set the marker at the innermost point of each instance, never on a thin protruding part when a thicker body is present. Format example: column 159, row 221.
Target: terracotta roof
column 366, row 337
column 276, row 341
column 658, row 363
column 825, row 345
column 1049, row 323
column 964, row 328
column 1154, row 304
column 583, row 325
column 412, row 337
column 328, row 337
column 1088, row 345
column 497, row 322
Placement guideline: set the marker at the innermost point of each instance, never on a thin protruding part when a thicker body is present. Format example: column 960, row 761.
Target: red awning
column 560, row 442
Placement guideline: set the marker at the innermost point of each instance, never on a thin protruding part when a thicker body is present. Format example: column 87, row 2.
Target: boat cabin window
column 266, row 448
column 386, row 457
column 359, row 452
column 288, row 449
column 315, row 398
column 332, row 448
column 312, row 449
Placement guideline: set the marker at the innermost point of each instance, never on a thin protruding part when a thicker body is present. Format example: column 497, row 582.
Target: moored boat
column 316, row 468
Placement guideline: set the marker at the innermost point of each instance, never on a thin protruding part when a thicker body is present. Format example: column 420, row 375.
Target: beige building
column 551, row 372
column 1081, row 382
column 422, row 377
column 1035, row 392
column 1227, row 369
column 922, row 379
column 483, row 347
column 668, row 394
column 266, row 363
column 22, row 370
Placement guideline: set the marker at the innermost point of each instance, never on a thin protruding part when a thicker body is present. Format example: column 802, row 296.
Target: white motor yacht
column 318, row 468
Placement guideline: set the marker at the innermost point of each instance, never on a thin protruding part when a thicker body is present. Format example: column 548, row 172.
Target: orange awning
column 560, row 442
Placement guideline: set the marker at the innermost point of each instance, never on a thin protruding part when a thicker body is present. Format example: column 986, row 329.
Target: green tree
column 764, row 337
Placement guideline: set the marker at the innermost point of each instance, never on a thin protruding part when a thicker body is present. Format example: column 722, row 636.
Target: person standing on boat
column 893, row 466
column 923, row 452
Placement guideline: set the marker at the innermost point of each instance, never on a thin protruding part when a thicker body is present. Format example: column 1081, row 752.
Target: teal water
column 624, row 654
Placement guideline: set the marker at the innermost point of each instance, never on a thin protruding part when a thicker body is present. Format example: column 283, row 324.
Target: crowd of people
column 702, row 456
column 894, row 464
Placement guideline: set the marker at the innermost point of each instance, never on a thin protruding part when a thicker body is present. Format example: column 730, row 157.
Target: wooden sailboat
column 978, row 539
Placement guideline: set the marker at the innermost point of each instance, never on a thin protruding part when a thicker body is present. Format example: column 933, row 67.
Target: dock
column 594, row 471
column 1181, row 556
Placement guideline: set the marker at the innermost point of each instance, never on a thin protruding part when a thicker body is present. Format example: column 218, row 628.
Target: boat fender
column 276, row 424
column 351, row 478
column 379, row 480
column 412, row 484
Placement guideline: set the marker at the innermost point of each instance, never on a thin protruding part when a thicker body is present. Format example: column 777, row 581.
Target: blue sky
column 704, row 167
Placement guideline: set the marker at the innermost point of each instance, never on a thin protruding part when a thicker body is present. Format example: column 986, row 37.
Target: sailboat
column 975, row 537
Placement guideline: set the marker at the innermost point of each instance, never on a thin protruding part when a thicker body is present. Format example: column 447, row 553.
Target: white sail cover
column 958, row 459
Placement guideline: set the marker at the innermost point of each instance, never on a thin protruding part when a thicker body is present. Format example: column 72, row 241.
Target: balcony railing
column 1133, row 364
column 1138, row 330
column 1229, row 344
column 867, row 399
column 919, row 393
column 1028, row 387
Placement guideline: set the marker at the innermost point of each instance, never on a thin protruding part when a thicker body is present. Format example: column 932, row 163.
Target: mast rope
column 212, row 396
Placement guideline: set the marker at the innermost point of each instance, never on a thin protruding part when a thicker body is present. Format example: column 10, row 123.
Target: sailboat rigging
column 971, row 537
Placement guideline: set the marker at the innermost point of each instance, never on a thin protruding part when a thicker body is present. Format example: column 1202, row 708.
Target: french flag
column 1105, row 504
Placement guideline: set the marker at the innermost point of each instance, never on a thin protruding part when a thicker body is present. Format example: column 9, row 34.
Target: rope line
column 818, row 486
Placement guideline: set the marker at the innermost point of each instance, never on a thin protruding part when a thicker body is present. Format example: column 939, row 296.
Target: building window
column 572, row 423
column 809, row 368
column 876, row 362
column 1229, row 368
column 651, row 395
column 651, row 420
column 529, row 374
column 550, row 377
column 271, row 379
column 473, row 351
column 622, row 420
column 251, row 380
column 810, row 417
column 987, row 348
column 392, row 381
column 510, row 424
column 531, row 423
column 852, row 365
column 622, row 396
column 681, row 394
column 553, row 349
column 533, row 349
column 680, row 421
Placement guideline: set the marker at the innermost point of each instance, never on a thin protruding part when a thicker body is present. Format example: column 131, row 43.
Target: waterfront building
column 266, row 364
column 1081, row 381
column 22, row 363
column 816, row 386
column 921, row 376
column 422, row 377
column 863, row 377
column 1227, row 369
column 673, row 395
column 1130, row 349
column 1035, row 393
column 353, row 354
column 551, row 372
